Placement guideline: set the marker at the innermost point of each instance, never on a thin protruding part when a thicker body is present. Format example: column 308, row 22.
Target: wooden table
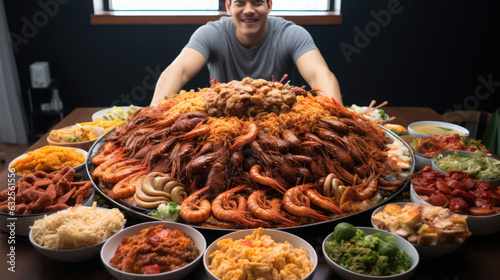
column 478, row 258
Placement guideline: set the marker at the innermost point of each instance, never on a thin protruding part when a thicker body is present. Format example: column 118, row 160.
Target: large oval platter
column 142, row 215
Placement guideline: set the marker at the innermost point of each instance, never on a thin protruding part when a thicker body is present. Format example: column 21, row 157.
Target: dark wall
column 442, row 54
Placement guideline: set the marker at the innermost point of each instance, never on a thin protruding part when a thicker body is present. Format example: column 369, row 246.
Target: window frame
column 103, row 16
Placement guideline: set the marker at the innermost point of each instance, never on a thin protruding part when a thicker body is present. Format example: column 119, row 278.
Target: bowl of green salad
column 361, row 253
column 479, row 166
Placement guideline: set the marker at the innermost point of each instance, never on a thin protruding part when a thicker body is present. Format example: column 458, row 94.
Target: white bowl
column 22, row 223
column 109, row 249
column 459, row 129
column 276, row 235
column 68, row 255
column 402, row 244
column 478, row 225
column 425, row 252
column 493, row 182
column 421, row 161
column 77, row 168
column 97, row 116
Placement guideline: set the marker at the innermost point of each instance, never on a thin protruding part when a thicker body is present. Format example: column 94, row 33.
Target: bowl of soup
column 435, row 128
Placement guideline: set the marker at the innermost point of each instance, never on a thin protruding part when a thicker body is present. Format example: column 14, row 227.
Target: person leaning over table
column 248, row 44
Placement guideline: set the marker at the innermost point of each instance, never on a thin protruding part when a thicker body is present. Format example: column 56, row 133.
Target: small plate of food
column 425, row 148
column 372, row 113
column 115, row 113
column 81, row 135
column 153, row 250
column 460, row 193
column 75, row 234
column 41, row 193
column 479, row 166
column 380, row 254
column 434, row 231
column 435, row 128
column 48, row 159
column 286, row 254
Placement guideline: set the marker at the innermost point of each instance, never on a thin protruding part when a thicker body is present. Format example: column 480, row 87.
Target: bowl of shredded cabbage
column 374, row 114
column 479, row 166
column 371, row 253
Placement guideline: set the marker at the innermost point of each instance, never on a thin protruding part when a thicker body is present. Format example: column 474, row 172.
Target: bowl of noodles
column 75, row 234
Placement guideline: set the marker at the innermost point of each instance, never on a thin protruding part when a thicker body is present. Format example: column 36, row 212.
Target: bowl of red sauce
column 153, row 250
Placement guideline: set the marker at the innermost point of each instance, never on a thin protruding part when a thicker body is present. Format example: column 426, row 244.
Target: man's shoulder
column 224, row 22
column 214, row 29
column 285, row 28
column 279, row 22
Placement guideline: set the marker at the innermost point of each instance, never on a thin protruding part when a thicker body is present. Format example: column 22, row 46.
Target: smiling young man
column 249, row 44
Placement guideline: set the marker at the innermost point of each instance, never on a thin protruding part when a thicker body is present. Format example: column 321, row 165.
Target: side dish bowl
column 276, row 235
column 447, row 128
column 20, row 224
column 435, row 167
column 109, row 249
column 68, row 255
column 77, row 168
column 83, row 145
column 98, row 116
column 425, row 252
column 421, row 161
column 478, row 225
column 402, row 244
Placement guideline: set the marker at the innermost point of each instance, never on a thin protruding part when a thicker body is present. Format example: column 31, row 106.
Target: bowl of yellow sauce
column 435, row 128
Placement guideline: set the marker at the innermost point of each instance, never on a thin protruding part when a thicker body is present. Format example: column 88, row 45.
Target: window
column 163, row 5
column 211, row 5
column 202, row 11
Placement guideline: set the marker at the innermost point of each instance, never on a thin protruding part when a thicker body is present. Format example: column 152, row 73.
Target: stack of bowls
column 421, row 160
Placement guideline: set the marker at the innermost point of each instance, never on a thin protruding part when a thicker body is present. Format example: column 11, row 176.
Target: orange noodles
column 270, row 123
column 222, row 129
column 304, row 114
column 185, row 102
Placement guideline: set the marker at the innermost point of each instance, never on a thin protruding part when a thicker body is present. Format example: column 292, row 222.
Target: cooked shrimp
column 231, row 207
column 260, row 208
column 251, row 133
column 195, row 209
column 297, row 203
column 267, row 181
column 126, row 187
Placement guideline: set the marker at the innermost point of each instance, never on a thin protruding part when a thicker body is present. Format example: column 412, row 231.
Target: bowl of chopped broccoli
column 371, row 252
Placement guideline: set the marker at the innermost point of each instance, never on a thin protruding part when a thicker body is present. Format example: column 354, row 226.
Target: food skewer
column 381, row 105
column 371, row 105
column 389, row 119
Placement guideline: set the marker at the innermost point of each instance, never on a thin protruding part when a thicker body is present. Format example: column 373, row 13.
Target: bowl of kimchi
column 425, row 148
column 153, row 251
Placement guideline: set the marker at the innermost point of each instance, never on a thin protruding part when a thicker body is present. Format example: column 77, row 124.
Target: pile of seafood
column 248, row 153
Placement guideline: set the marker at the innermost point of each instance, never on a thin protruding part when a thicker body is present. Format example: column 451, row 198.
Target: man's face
column 250, row 17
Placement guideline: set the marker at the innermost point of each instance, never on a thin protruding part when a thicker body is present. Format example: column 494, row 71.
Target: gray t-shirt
column 228, row 60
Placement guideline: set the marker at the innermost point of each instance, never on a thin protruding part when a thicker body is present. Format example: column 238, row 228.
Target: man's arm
column 187, row 64
column 315, row 71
